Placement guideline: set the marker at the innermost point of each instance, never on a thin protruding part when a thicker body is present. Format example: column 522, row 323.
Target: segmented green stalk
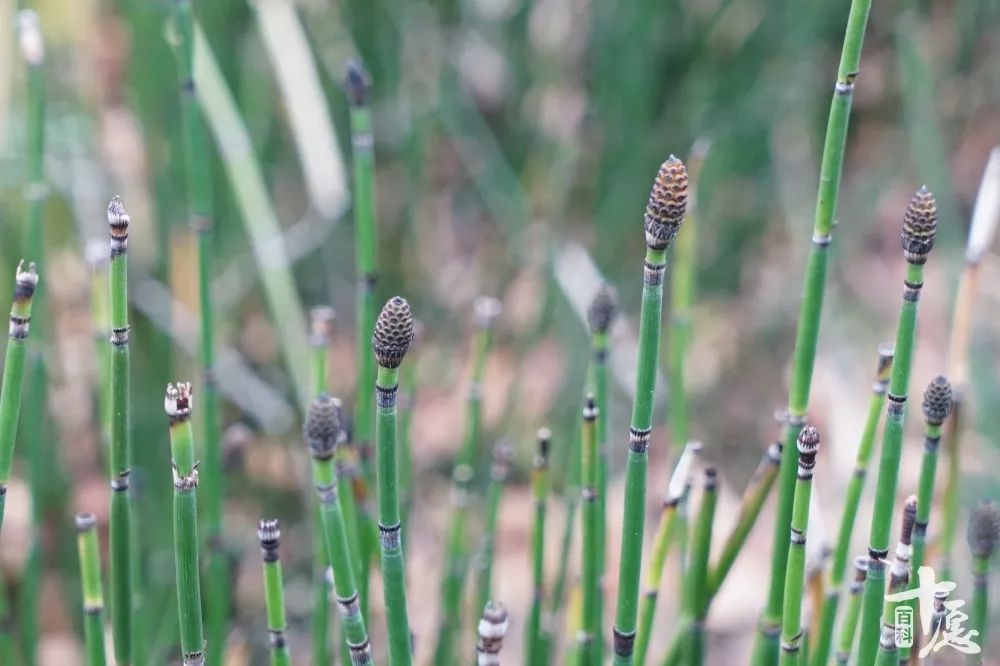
column 791, row 614
column 899, row 580
column 199, row 207
column 589, row 526
column 390, row 341
column 807, row 329
column 952, row 490
column 677, row 491
column 498, row 478
column 571, row 500
column 919, row 226
column 663, row 217
column 321, row 323
column 324, row 434
column 492, row 628
column 25, row 282
column 269, row 535
column 983, row 535
column 185, row 472
column 695, row 597
column 852, row 500
column 599, row 374
column 93, row 596
column 534, row 640
column 853, row 611
column 121, row 447
column 486, row 310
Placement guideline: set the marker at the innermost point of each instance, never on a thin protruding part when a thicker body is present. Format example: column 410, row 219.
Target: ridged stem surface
column 791, row 624
column 665, row 531
column 93, row 596
column 590, row 578
column 534, row 640
column 848, row 630
column 599, row 381
column 695, row 597
column 274, row 600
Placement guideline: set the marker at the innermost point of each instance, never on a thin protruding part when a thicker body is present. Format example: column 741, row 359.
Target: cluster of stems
column 269, row 535
column 899, row 579
column 534, row 638
column 807, row 331
column 90, row 581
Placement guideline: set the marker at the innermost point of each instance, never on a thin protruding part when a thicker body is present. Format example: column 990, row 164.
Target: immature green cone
column 937, row 401
column 393, row 332
column 602, row 310
column 324, row 429
column 919, row 226
column 984, row 529
column 667, row 204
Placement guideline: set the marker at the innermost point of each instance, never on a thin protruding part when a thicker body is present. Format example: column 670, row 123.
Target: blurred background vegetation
column 516, row 141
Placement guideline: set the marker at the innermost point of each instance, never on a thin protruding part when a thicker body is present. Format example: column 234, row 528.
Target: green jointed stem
column 899, row 580
column 120, row 458
column 269, row 535
column 852, row 614
column 983, row 535
column 791, row 615
column 589, row 580
column 25, row 283
column 673, row 504
column 486, row 310
column 571, row 501
column 534, row 640
column 499, row 471
column 93, row 596
column 185, row 474
column 919, row 227
column 390, row 341
column 695, row 597
column 852, row 500
column 324, row 434
column 663, row 217
column 952, row 492
column 807, row 329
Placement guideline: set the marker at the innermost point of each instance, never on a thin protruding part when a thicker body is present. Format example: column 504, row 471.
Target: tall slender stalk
column 324, row 434
column 185, row 472
column 321, row 324
column 695, row 598
column 677, row 492
column 390, row 341
column 919, row 227
column 852, row 500
column 486, row 310
column 791, row 614
column 590, row 581
column 534, row 640
column 853, row 611
column 90, row 580
column 407, row 402
column 499, row 471
column 269, row 535
column 571, row 501
column 492, row 629
column 807, row 329
column 899, row 580
column 199, row 208
column 121, row 445
column 983, row 535
column 600, row 316
column 25, row 282
column 100, row 318
column 662, row 220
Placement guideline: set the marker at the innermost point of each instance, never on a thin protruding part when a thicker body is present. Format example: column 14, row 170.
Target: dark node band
column 822, row 240
column 187, row 85
column 369, row 280
column 790, row 648
column 876, row 558
column 276, row 637
column 860, row 472
column 770, row 630
column 624, row 642
column 361, row 653
column 93, row 609
column 119, row 244
column 652, row 593
column 844, row 88
column 588, row 493
column 119, row 336
column 185, row 483
column 600, row 355
column 638, row 439
column 931, row 443
column 349, row 606
column 119, row 482
column 798, row 537
column 327, row 493
column 390, row 536
column 386, row 395
column 3, row 489
column 653, row 274
column 796, row 420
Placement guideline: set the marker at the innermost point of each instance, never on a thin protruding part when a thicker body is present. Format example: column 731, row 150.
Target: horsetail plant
column 178, row 405
column 534, row 639
column 269, row 535
column 492, row 629
column 25, row 282
column 677, row 492
column 499, row 471
column 663, row 217
column 324, row 434
column 852, row 613
column 983, row 535
column 390, row 341
column 852, row 500
column 120, row 458
column 695, row 597
column 589, row 630
column 407, row 400
column 791, row 614
column 571, row 501
column 600, row 316
column 90, row 580
column 485, row 311
column 919, row 228
column 807, row 329
column 899, row 580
